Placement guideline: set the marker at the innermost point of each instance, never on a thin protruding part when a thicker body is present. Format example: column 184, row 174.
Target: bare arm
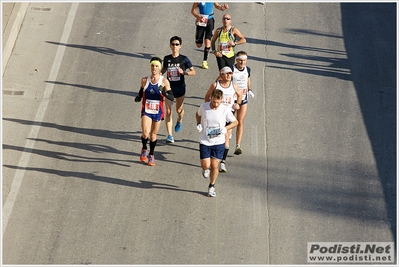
column 213, row 43
column 209, row 93
column 141, row 91
column 220, row 7
column 167, row 91
column 249, row 83
column 232, row 125
column 239, row 96
column 238, row 34
column 143, row 82
column 194, row 11
column 198, row 118
column 190, row 71
column 214, row 38
column 166, row 84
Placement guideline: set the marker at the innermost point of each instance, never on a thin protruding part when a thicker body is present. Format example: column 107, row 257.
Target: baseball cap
column 225, row 70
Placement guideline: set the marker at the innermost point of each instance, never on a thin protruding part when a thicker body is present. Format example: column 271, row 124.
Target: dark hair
column 241, row 53
column 218, row 94
column 176, row 38
column 157, row 59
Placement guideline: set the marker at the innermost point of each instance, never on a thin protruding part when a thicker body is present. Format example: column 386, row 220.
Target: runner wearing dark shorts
column 176, row 66
column 203, row 12
column 153, row 90
column 224, row 41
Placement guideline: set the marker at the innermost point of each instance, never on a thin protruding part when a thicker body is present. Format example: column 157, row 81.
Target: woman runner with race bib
column 152, row 92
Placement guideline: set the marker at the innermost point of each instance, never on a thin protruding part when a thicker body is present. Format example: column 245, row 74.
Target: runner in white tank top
column 242, row 77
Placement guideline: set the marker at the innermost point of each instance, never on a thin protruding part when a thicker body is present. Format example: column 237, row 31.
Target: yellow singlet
column 224, row 47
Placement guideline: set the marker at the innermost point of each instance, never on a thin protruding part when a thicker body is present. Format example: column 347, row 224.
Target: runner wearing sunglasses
column 177, row 67
column 224, row 41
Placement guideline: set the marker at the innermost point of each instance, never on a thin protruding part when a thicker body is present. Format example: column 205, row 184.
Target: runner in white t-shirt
column 212, row 118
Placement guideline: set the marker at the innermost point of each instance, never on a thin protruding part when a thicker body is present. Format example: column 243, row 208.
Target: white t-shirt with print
column 212, row 121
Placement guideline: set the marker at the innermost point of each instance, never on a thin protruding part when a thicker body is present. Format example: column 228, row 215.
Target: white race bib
column 227, row 101
column 224, row 48
column 152, row 106
column 204, row 21
column 173, row 74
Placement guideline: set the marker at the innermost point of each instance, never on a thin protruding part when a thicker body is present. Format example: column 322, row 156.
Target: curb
column 11, row 31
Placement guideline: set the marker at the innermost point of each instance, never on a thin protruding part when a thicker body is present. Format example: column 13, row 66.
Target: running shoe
column 238, row 150
column 178, row 126
column 170, row 139
column 222, row 167
column 206, row 173
column 143, row 155
column 151, row 160
column 211, row 191
column 204, row 65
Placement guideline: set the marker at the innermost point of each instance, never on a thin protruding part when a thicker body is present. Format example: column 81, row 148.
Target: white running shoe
column 222, row 167
column 211, row 192
column 206, row 173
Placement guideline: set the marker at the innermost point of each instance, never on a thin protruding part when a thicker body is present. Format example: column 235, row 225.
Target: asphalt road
column 319, row 161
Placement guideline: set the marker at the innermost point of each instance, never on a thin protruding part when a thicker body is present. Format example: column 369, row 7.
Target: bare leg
column 179, row 108
column 240, row 127
column 168, row 116
column 214, row 170
column 206, row 163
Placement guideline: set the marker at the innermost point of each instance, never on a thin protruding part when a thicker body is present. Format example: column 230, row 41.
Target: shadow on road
column 130, row 136
column 96, row 89
column 104, row 50
column 334, row 64
column 369, row 61
column 369, row 32
column 69, row 157
column 91, row 176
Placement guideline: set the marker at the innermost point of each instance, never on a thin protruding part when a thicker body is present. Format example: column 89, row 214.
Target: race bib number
column 224, row 48
column 203, row 21
column 227, row 101
column 243, row 91
column 173, row 74
column 152, row 106
column 213, row 131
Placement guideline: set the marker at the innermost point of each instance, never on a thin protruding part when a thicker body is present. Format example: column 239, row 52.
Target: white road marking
column 23, row 162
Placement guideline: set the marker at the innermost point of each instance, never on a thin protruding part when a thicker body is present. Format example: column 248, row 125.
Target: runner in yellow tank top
column 227, row 38
column 224, row 46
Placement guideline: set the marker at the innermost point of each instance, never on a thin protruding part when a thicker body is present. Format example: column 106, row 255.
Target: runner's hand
column 223, row 130
column 251, row 94
column 199, row 128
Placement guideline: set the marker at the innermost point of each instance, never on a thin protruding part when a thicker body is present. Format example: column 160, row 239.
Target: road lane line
column 23, row 162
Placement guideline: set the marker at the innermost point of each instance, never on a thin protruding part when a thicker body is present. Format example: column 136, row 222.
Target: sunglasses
column 175, row 44
column 227, row 18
